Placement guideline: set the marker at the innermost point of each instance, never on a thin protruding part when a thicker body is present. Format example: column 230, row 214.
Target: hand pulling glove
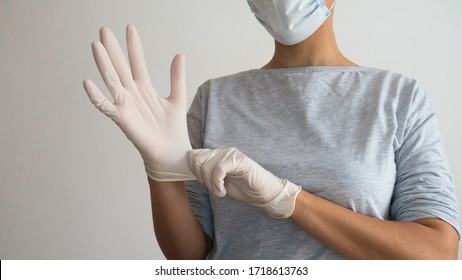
column 230, row 172
column 155, row 125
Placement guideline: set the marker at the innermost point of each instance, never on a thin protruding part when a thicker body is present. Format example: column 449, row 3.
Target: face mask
column 290, row 21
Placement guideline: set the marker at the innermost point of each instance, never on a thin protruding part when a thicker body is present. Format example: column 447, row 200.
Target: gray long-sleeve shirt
column 364, row 138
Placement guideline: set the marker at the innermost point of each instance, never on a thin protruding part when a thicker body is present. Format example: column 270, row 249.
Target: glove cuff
column 163, row 176
column 177, row 173
column 283, row 205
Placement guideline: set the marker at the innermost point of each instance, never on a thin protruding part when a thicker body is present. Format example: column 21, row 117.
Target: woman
column 309, row 157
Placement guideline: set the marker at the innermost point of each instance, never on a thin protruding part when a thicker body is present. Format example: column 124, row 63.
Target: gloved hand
column 155, row 125
column 230, row 172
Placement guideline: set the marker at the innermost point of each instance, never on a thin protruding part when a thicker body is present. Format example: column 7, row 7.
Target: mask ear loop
column 333, row 4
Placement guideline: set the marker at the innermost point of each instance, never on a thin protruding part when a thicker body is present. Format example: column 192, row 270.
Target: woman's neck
column 320, row 49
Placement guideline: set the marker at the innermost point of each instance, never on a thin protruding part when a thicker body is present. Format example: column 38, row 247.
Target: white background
column 73, row 187
column 224, row 270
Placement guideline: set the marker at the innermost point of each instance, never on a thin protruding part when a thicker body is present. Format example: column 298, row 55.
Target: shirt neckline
column 309, row 69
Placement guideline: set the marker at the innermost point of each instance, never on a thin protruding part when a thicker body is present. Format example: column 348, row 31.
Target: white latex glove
column 230, row 172
column 155, row 125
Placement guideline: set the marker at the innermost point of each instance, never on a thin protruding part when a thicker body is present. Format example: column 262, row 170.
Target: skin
column 177, row 229
column 320, row 49
column 353, row 235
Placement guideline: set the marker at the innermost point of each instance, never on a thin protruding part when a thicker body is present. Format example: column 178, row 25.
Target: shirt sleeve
column 424, row 186
column 198, row 194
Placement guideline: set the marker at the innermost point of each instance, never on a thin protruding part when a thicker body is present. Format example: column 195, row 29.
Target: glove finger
column 107, row 71
column 210, row 160
column 136, row 56
column 190, row 159
column 139, row 70
column 218, row 177
column 202, row 162
column 198, row 157
column 98, row 99
column 178, row 79
column 195, row 163
column 229, row 176
column 117, row 57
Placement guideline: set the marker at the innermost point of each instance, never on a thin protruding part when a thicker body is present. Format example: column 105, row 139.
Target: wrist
column 169, row 171
column 169, row 176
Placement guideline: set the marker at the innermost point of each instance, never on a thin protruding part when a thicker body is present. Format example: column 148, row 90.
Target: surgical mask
column 290, row 21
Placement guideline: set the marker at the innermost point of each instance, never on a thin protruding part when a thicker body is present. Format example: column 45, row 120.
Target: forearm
column 178, row 232
column 357, row 236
